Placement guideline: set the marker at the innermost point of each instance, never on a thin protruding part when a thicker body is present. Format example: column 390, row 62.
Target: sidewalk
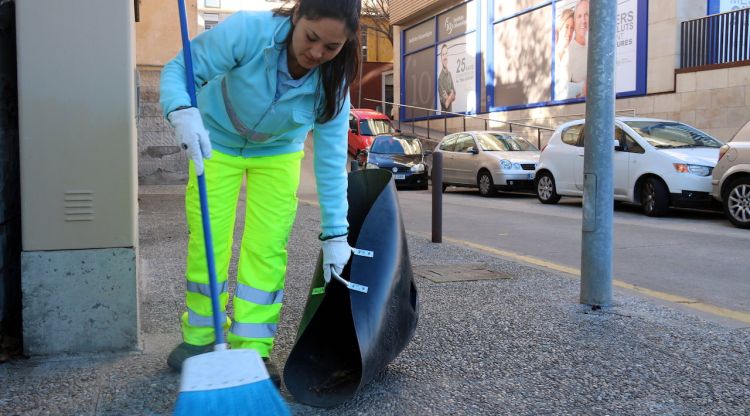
column 514, row 345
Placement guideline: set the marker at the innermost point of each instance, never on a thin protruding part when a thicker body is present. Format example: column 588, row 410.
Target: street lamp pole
column 598, row 202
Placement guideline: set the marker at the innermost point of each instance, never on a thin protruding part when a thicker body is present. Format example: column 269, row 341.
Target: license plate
column 400, row 177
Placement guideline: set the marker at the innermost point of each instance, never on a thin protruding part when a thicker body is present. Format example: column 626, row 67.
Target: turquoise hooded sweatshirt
column 235, row 66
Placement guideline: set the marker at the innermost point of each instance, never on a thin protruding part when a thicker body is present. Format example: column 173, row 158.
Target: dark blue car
column 402, row 155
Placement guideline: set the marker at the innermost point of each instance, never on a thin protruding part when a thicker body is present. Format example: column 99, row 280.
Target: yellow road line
column 739, row 316
column 687, row 302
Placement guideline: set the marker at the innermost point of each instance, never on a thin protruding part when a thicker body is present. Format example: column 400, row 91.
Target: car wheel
column 737, row 202
column 654, row 198
column 545, row 189
column 485, row 184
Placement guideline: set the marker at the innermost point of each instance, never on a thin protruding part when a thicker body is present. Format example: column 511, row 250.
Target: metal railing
column 487, row 120
column 446, row 115
column 716, row 39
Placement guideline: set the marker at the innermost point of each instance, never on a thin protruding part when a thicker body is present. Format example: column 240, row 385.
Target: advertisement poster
column 731, row 5
column 456, row 81
column 419, row 83
column 571, row 47
column 522, row 58
column 419, row 69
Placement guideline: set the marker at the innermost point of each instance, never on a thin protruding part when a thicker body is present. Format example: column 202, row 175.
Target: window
column 448, row 144
column 411, row 145
column 213, row 4
column 373, row 127
column 363, row 42
column 628, row 143
column 670, row 134
column 632, row 146
column 210, row 20
column 403, row 145
column 464, row 143
column 495, row 142
column 570, row 135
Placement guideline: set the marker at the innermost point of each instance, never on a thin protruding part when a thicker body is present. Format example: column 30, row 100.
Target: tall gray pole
column 359, row 86
column 598, row 204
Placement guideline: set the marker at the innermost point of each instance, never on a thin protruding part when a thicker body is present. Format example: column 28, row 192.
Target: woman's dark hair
column 338, row 73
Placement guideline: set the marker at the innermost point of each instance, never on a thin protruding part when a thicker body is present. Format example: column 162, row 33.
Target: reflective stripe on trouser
column 271, row 206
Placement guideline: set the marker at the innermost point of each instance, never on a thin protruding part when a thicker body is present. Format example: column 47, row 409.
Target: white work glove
column 191, row 135
column 336, row 253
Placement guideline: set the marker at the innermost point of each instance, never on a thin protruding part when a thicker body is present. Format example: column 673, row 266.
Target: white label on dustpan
column 358, row 288
column 363, row 253
column 221, row 370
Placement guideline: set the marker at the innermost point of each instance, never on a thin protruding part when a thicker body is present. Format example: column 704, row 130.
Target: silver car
column 488, row 160
column 731, row 178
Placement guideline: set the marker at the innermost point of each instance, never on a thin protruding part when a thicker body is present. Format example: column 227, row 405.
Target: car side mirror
column 428, row 152
column 473, row 150
column 618, row 147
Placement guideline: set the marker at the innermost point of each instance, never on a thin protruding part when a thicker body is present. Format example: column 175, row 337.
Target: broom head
column 227, row 383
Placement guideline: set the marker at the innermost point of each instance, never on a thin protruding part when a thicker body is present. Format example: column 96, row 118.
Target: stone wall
column 160, row 160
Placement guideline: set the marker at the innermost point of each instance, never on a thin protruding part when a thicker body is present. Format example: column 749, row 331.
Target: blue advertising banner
column 721, row 6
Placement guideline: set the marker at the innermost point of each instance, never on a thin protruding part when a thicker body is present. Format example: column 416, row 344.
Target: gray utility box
column 76, row 88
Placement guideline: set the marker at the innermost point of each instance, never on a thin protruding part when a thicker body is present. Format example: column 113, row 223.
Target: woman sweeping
column 264, row 80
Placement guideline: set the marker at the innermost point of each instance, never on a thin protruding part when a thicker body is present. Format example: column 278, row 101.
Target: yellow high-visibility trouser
column 271, row 206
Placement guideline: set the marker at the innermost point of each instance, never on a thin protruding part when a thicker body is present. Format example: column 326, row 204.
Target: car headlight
column 371, row 165
column 517, row 166
column 506, row 164
column 418, row 168
column 698, row 170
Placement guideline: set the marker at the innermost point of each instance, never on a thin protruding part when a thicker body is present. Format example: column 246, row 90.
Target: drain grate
column 458, row 273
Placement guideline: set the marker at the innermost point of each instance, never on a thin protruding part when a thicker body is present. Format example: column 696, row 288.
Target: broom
column 223, row 382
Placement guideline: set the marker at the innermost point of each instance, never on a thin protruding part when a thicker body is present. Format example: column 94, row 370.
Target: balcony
column 718, row 39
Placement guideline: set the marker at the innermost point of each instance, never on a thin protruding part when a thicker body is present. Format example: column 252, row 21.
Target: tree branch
column 376, row 12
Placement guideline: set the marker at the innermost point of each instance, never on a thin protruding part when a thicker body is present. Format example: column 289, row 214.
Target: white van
column 657, row 164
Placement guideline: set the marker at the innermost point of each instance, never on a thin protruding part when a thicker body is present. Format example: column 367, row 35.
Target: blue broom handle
column 208, row 241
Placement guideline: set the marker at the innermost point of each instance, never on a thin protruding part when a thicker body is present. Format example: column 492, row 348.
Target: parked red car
column 364, row 125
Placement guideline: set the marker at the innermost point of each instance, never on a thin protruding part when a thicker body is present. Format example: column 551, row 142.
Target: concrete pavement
column 516, row 343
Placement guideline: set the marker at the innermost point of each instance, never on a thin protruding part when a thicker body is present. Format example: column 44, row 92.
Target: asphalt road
column 692, row 254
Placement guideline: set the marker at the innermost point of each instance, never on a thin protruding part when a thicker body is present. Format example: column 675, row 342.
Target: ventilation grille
column 79, row 205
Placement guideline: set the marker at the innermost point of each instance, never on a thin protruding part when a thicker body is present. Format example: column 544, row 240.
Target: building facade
column 525, row 61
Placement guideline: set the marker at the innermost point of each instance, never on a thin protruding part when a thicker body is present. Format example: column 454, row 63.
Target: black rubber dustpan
column 350, row 332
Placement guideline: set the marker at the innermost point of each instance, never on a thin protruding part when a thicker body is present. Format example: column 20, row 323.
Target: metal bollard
column 437, row 197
